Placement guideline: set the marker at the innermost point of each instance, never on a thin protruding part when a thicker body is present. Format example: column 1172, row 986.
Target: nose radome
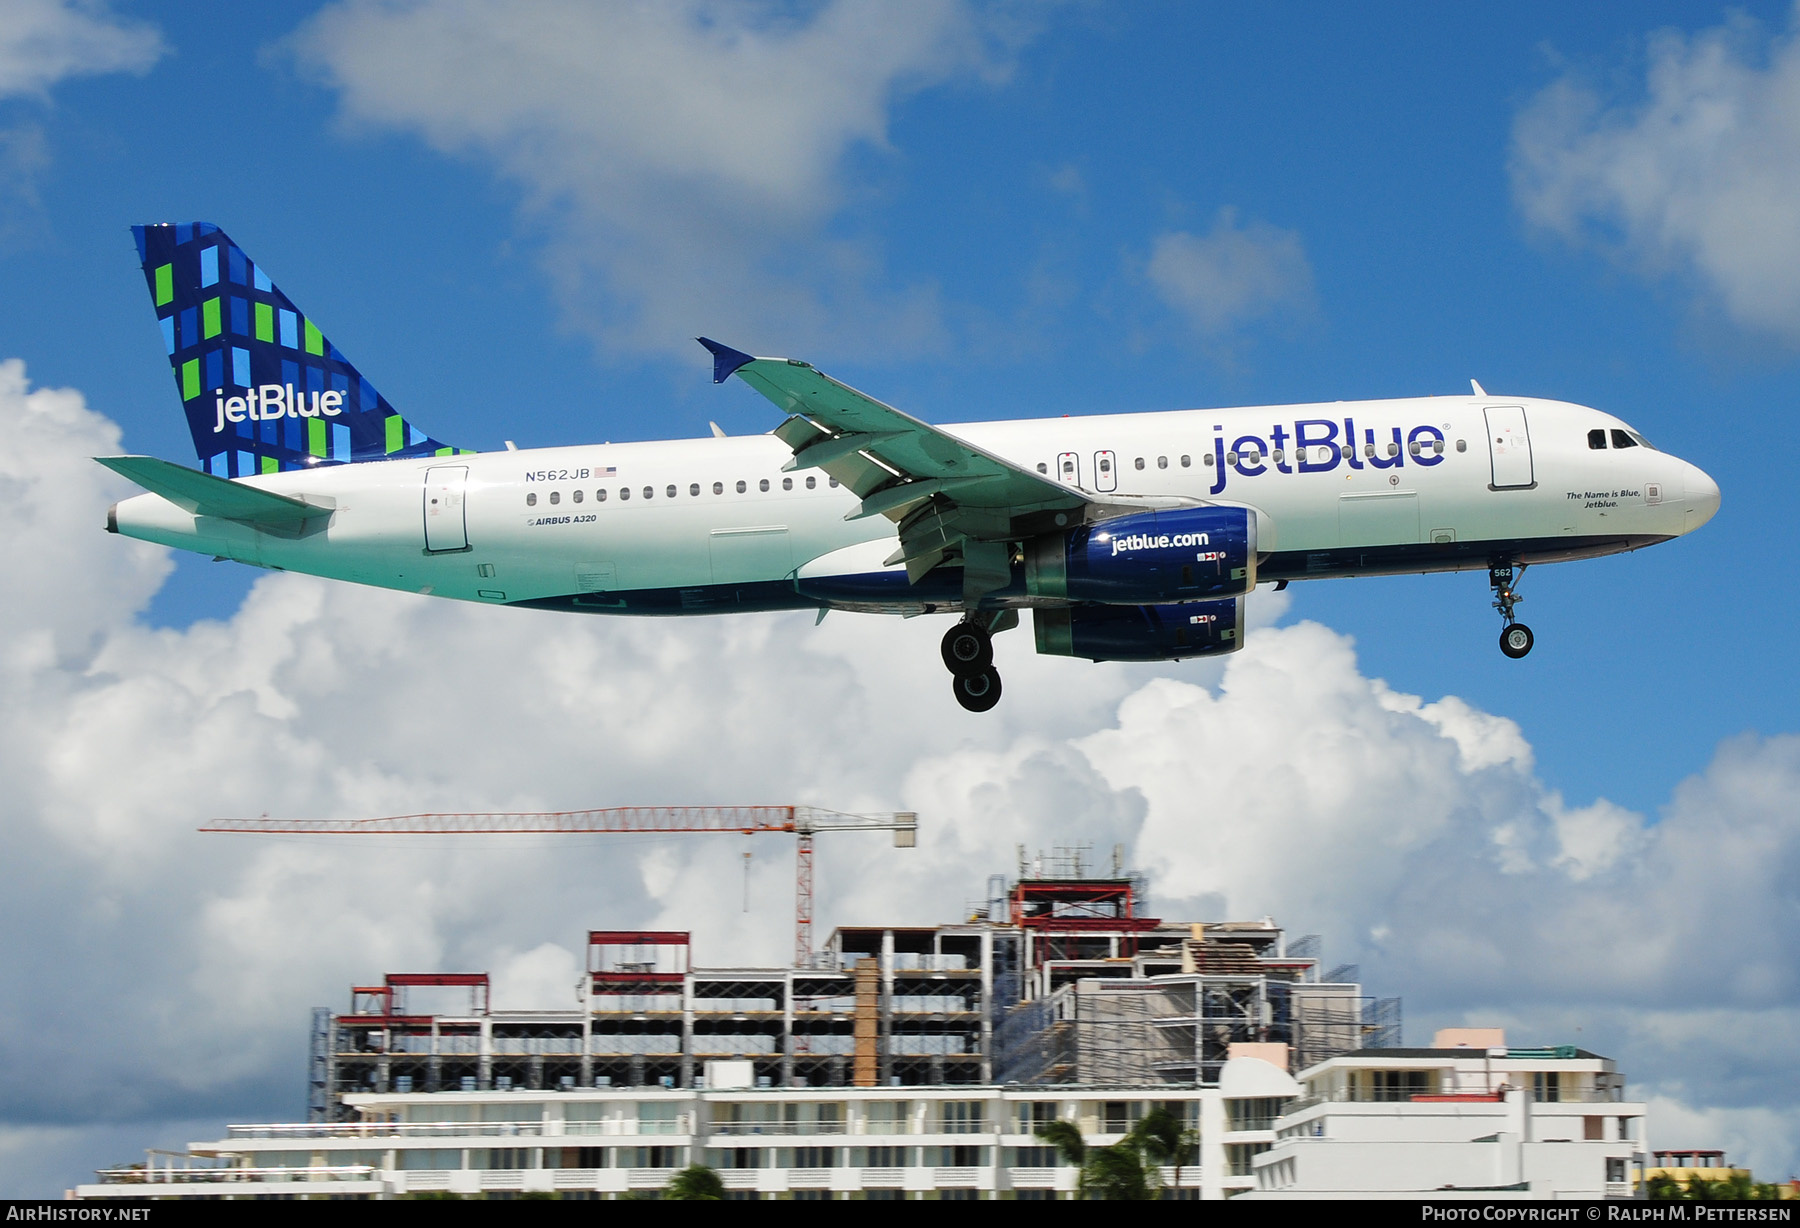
column 1702, row 498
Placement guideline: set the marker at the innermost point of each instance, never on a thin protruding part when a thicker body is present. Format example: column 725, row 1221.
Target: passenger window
column 1413, row 447
column 1208, row 460
column 1162, row 462
column 1369, row 450
column 624, row 492
column 1278, row 455
column 1393, row 449
column 555, row 497
column 1043, row 468
column 1140, row 462
column 741, row 488
column 531, row 499
column 763, row 485
column 1622, row 440
column 576, row 496
column 693, row 490
column 1462, row 445
column 1348, row 451
column 1231, row 458
column 787, row 483
column 1187, row 462
column 600, row 495
column 811, row 481
column 834, row 483
column 1597, row 439
column 718, row 488
column 649, row 492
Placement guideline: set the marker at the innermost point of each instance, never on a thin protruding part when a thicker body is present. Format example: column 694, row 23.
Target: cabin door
column 1509, row 447
column 446, row 521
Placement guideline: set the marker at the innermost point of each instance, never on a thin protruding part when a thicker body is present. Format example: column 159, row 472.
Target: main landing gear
column 1515, row 637
column 968, row 650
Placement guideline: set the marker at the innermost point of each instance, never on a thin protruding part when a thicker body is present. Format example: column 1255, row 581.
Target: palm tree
column 1067, row 1140
column 696, row 1182
column 1110, row 1173
column 1162, row 1139
column 1116, row 1173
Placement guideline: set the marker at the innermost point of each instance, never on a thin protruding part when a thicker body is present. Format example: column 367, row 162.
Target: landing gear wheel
column 968, row 649
column 978, row 692
column 1515, row 637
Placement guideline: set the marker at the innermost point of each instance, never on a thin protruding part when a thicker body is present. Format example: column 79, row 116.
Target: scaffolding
column 1056, row 979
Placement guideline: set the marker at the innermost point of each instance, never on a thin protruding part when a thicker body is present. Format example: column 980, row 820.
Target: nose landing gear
column 968, row 651
column 1515, row 637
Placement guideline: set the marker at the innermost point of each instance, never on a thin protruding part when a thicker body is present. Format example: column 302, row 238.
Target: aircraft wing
column 948, row 497
column 202, row 494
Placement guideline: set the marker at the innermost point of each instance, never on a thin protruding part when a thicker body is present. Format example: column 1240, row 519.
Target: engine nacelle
column 1186, row 554
column 1141, row 632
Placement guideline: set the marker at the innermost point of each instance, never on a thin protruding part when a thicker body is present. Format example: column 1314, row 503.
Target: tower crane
column 804, row 821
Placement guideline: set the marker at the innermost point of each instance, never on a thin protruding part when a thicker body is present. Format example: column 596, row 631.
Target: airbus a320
column 1129, row 537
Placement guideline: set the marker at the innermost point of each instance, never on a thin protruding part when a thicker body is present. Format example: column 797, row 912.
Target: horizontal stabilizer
column 205, row 495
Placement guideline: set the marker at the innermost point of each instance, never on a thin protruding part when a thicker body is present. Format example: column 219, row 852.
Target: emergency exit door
column 1106, row 472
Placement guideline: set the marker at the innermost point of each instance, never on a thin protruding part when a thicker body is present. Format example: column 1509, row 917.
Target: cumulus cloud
column 179, row 967
column 685, row 162
column 1233, row 275
column 43, row 42
column 1695, row 174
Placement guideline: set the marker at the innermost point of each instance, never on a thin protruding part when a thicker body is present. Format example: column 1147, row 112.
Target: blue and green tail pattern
column 263, row 388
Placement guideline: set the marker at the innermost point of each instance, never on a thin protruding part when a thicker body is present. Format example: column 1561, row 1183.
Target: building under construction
column 1059, row 977
column 895, row 1062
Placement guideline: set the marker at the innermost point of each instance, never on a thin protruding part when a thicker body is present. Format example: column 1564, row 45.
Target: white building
column 967, row 1142
column 1467, row 1117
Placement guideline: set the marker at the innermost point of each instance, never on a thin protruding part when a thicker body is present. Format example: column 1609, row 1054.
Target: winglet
column 1479, row 390
column 726, row 360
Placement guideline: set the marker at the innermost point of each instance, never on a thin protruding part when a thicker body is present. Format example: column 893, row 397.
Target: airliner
column 1129, row 537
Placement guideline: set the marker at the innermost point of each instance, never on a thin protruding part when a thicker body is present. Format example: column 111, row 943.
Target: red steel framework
column 804, row 821
column 1057, row 912
column 386, row 1003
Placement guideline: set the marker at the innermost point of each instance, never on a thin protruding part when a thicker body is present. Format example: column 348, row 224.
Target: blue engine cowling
column 1187, row 554
column 1141, row 632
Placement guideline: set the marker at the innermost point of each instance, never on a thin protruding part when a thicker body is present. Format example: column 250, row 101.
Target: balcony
column 233, row 1176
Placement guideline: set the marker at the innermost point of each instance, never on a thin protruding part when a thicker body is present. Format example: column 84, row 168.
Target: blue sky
column 514, row 224
column 1383, row 144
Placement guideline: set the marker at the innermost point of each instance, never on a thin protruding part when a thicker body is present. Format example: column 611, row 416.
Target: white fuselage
column 632, row 527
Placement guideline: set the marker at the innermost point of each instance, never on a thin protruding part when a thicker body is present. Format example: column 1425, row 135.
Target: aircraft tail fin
column 263, row 389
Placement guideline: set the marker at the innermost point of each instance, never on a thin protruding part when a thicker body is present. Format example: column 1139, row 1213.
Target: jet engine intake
column 1187, row 554
column 1142, row 632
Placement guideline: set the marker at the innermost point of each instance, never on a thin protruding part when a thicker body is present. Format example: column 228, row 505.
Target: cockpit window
column 1641, row 441
column 1597, row 439
column 1623, row 439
